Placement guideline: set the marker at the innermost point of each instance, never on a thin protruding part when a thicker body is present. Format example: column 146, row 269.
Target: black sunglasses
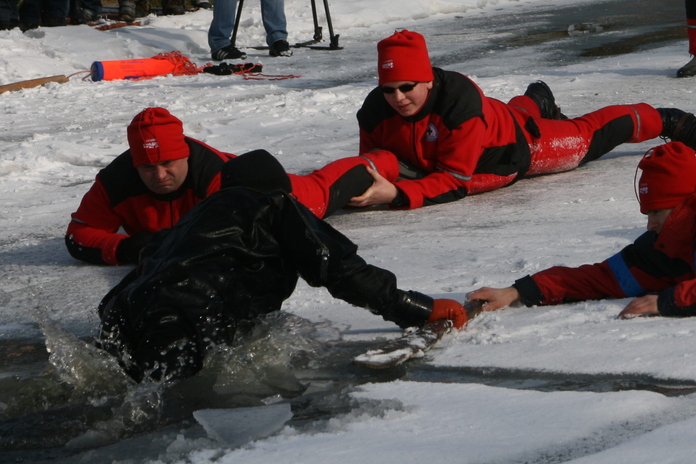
column 402, row 88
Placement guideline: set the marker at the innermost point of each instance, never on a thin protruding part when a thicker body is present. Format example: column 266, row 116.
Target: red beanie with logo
column 403, row 57
column 154, row 136
column 668, row 177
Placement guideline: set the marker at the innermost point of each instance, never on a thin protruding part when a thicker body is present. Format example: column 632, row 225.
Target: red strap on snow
column 113, row 25
column 182, row 64
column 247, row 72
column 270, row 77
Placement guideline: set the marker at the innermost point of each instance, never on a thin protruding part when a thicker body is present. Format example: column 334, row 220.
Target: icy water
column 59, row 402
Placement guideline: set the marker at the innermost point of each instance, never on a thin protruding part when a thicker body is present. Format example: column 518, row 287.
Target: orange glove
column 449, row 309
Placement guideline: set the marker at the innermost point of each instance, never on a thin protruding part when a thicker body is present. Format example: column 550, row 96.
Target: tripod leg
column 317, row 28
column 333, row 38
column 236, row 22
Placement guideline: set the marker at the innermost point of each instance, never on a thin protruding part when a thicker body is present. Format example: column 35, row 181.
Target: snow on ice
column 55, row 139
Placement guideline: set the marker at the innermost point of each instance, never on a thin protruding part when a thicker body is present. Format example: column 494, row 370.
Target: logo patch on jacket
column 431, row 133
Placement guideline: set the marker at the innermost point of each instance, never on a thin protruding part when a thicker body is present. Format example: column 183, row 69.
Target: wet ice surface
column 524, row 385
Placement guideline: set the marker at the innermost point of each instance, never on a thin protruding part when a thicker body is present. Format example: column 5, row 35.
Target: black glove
column 224, row 69
column 128, row 250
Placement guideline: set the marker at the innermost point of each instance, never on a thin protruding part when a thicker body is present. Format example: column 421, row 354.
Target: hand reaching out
column 380, row 193
column 643, row 306
column 495, row 298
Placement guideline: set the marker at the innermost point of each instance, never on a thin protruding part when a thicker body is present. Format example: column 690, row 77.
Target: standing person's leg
column 30, row 14
column 275, row 24
column 274, row 21
column 56, row 13
column 9, row 15
column 567, row 144
column 689, row 69
column 84, row 11
column 220, row 31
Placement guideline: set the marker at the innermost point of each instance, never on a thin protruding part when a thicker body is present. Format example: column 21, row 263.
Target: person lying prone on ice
column 658, row 268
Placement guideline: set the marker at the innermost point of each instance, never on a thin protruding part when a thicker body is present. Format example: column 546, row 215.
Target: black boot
column 678, row 126
column 173, row 7
column 126, row 10
column 689, row 69
column 543, row 97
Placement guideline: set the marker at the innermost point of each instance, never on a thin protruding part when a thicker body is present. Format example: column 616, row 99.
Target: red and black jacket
column 459, row 133
column 662, row 264
column 120, row 200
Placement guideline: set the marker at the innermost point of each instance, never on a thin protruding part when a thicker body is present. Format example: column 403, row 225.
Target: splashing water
column 83, row 399
column 85, row 367
column 265, row 362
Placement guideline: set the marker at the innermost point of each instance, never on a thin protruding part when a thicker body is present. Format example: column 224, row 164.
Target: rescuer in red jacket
column 162, row 176
column 658, row 267
column 450, row 140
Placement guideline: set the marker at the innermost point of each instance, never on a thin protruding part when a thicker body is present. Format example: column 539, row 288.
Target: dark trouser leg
column 330, row 188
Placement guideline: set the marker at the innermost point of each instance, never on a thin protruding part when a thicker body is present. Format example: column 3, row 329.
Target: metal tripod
column 333, row 38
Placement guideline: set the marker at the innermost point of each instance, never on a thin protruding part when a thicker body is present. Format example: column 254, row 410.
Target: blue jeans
column 32, row 11
column 224, row 12
column 8, row 10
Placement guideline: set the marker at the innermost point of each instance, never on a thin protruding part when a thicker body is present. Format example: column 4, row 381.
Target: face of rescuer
column 164, row 177
column 407, row 103
column 657, row 218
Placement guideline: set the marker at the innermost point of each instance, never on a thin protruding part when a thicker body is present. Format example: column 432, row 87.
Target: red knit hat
column 403, row 57
column 669, row 176
column 154, row 136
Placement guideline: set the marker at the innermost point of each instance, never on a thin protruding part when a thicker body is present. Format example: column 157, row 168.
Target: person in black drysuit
column 235, row 256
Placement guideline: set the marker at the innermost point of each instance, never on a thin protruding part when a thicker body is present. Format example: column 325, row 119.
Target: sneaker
column 689, row 69
column 82, row 16
column 28, row 26
column 280, row 48
column 202, row 4
column 229, row 52
column 173, row 7
column 543, row 97
column 142, row 8
column 126, row 11
column 678, row 126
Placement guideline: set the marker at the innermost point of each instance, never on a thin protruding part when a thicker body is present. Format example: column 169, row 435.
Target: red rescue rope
column 182, row 64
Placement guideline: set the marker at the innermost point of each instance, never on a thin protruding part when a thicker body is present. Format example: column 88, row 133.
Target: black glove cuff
column 128, row 249
column 401, row 200
column 415, row 306
column 530, row 294
column 668, row 308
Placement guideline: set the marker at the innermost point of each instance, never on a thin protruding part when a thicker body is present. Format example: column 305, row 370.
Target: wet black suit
column 235, row 256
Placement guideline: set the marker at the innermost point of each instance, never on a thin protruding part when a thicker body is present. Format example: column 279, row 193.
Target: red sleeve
column 685, row 293
column 587, row 282
column 92, row 233
column 613, row 278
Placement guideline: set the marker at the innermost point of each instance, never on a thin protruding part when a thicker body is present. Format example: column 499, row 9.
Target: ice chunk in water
column 239, row 426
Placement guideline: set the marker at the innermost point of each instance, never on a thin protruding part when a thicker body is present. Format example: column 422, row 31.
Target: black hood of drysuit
column 258, row 170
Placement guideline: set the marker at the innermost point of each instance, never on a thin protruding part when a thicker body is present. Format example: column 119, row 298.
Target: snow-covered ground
column 55, row 138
